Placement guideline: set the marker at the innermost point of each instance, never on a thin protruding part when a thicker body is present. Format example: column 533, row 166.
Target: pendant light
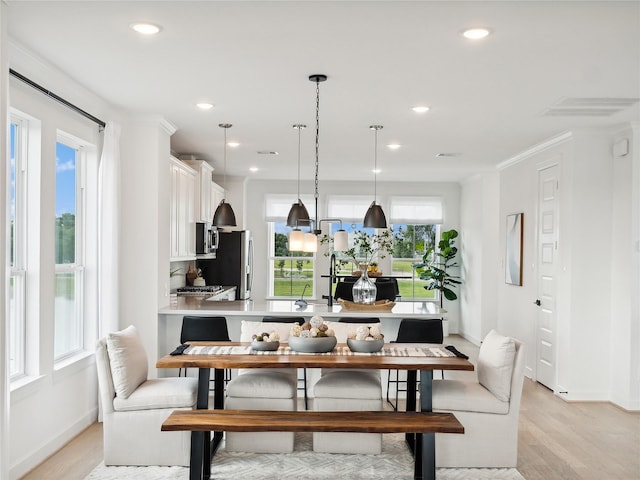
column 298, row 214
column 374, row 218
column 224, row 216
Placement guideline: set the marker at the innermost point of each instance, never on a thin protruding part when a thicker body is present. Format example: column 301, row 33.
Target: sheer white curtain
column 108, row 227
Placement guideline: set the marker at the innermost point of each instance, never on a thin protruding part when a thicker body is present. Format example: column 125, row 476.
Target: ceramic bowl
column 365, row 346
column 264, row 346
column 312, row 345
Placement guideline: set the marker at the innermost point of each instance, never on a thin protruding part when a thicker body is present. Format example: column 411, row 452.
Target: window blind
column 277, row 206
column 350, row 208
column 416, row 210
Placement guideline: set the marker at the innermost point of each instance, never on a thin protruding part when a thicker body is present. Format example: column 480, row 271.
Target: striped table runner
column 339, row 350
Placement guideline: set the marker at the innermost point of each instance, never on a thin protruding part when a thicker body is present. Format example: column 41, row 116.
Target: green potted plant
column 436, row 265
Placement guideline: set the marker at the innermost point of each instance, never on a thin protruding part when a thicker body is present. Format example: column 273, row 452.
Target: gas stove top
column 206, row 290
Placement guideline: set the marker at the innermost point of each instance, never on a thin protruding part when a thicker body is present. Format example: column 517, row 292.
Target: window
column 68, row 309
column 415, row 224
column 17, row 249
column 289, row 271
column 410, row 243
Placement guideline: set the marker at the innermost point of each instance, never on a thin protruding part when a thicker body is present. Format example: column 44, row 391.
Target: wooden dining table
column 204, row 446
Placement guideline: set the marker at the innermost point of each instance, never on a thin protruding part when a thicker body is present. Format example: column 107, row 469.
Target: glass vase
column 364, row 290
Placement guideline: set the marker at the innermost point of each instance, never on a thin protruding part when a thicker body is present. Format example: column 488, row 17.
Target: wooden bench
column 310, row 421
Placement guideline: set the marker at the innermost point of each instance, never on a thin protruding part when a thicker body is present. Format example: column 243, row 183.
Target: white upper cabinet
column 182, row 215
column 204, row 207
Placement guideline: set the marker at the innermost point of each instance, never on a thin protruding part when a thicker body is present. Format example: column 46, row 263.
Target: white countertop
column 197, row 305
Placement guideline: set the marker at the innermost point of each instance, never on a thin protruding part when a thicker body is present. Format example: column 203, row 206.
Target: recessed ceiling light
column 393, row 146
column 267, row 152
column 476, row 33
column 420, row 109
column 233, row 144
column 204, row 106
column 253, row 169
column 376, row 171
column 145, row 28
column 448, row 154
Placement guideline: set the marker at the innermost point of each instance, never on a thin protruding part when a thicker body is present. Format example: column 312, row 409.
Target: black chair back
column 204, row 329
column 298, row 320
column 344, row 290
column 385, row 290
column 420, row 330
column 359, row 320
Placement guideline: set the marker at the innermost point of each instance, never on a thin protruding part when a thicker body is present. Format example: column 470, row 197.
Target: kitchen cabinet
column 182, row 216
column 203, row 195
column 217, row 195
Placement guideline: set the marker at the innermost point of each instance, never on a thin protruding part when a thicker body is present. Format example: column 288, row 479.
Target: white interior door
column 547, row 225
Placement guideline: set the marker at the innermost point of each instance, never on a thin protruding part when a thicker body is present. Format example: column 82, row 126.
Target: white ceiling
column 252, row 61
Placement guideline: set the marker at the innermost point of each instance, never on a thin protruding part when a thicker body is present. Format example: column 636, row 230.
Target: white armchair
column 133, row 408
column 487, row 408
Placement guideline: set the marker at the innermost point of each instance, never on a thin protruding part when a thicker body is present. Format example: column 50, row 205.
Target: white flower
column 314, row 331
column 295, row 330
column 274, row 337
column 305, row 334
column 316, row 321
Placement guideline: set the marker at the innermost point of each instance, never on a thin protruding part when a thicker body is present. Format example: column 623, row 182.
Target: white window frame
column 78, row 267
column 17, row 271
column 271, row 266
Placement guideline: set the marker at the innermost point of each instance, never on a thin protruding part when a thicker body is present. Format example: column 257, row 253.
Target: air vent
column 589, row 107
column 267, row 152
column 447, row 154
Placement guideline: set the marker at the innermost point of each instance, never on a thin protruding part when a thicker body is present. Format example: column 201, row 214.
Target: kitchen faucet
column 332, row 279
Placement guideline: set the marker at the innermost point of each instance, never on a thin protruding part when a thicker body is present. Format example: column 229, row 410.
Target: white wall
column 597, row 278
column 625, row 270
column 479, row 253
column 144, row 227
column 255, row 191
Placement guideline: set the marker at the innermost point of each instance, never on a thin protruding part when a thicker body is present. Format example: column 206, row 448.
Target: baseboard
column 31, row 461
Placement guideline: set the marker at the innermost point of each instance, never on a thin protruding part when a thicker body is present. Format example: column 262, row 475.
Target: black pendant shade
column 224, row 216
column 374, row 218
column 298, row 215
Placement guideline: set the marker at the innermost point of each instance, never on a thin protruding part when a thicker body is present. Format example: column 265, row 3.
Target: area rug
column 395, row 462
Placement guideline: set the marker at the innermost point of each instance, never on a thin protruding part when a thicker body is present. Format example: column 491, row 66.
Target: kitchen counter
column 259, row 308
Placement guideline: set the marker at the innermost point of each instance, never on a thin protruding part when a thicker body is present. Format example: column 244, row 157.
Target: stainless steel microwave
column 206, row 239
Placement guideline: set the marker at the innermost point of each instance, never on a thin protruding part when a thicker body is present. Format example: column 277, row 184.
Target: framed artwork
column 513, row 264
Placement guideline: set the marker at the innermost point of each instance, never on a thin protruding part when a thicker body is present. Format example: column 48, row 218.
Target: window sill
column 24, row 387
column 69, row 366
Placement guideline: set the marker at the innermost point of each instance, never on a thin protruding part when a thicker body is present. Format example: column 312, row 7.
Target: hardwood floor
column 557, row 440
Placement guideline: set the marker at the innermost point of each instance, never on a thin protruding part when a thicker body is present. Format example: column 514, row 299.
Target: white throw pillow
column 248, row 329
column 495, row 364
column 128, row 360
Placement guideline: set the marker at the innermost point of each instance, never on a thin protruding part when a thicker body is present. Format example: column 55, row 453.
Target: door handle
column 538, row 302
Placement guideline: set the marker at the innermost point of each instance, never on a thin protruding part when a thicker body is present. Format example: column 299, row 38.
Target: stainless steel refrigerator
column 233, row 263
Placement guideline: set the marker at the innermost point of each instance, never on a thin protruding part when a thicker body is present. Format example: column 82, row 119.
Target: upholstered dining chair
column 134, row 408
column 413, row 330
column 205, row 329
column 303, row 380
column 487, row 405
